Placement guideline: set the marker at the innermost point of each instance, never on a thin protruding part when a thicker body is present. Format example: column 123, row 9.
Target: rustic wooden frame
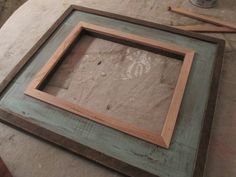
column 18, row 121
column 162, row 139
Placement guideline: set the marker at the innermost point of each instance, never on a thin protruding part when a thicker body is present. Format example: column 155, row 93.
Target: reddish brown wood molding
column 206, row 28
column 204, row 18
column 162, row 139
column 4, row 172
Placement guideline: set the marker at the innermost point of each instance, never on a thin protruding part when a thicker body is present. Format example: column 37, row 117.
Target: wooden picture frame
column 110, row 148
column 164, row 138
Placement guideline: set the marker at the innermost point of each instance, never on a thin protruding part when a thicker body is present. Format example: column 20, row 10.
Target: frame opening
column 35, row 89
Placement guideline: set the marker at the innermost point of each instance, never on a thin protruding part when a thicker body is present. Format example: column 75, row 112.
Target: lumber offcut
column 204, row 18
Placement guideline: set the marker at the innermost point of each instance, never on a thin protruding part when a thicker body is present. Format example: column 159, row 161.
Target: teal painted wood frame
column 114, row 149
column 164, row 137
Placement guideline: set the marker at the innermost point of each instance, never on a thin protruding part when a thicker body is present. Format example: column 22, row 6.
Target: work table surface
column 27, row 156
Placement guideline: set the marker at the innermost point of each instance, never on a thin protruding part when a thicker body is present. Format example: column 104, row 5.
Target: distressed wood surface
column 42, row 156
column 143, row 155
column 15, row 43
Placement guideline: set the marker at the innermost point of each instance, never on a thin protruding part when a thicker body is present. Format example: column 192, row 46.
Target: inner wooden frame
column 162, row 139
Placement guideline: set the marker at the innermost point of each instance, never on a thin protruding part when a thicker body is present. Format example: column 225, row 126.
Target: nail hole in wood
column 108, row 107
column 99, row 62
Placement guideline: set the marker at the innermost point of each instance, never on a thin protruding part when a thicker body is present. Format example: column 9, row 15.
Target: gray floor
column 27, row 156
column 7, row 7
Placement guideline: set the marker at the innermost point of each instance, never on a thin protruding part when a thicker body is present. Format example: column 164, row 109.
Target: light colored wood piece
column 162, row 139
column 176, row 99
column 207, row 28
column 204, row 18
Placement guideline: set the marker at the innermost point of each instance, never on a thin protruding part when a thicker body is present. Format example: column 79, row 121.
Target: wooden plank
column 137, row 39
column 203, row 17
column 206, row 28
column 177, row 98
column 207, row 124
column 4, row 172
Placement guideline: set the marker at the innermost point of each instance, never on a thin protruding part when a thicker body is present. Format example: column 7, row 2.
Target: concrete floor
column 27, row 156
column 7, row 7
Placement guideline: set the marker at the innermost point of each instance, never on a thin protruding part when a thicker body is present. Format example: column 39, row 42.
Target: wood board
column 206, row 28
column 4, row 172
column 203, row 18
column 125, row 154
column 161, row 138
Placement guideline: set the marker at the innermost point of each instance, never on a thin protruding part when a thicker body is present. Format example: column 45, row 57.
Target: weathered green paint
column 178, row 160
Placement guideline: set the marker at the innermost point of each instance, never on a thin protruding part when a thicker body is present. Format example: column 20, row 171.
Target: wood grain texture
column 162, row 138
column 173, row 111
column 203, row 17
column 169, row 47
column 206, row 28
column 4, row 172
column 135, row 157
